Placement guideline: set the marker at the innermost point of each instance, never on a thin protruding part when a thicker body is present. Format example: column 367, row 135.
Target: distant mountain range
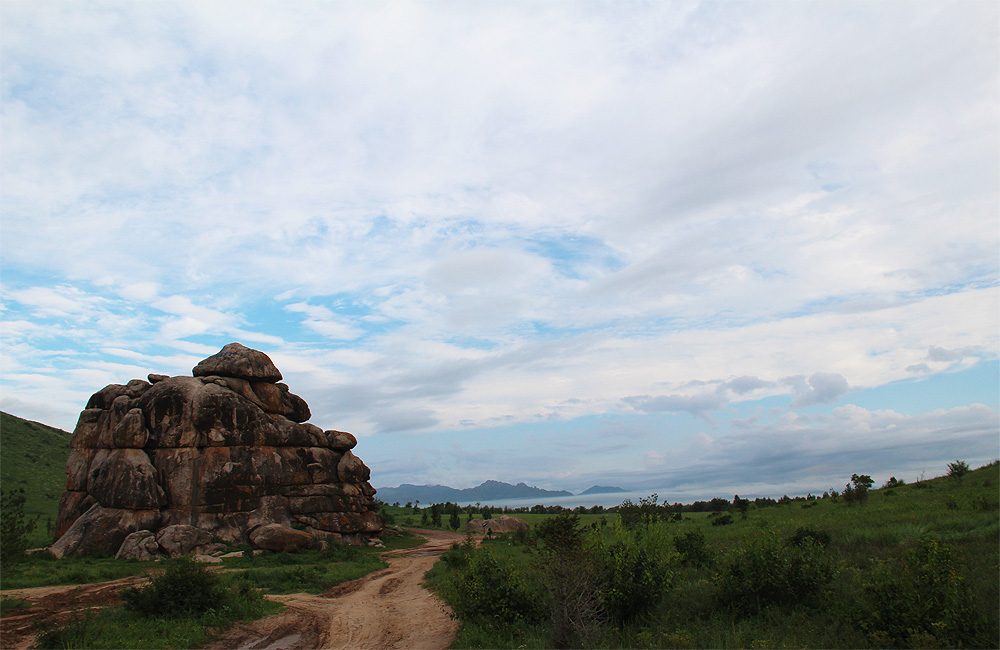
column 602, row 489
column 488, row 491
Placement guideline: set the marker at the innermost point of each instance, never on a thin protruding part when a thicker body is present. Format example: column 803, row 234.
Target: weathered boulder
column 140, row 545
column 124, row 478
column 102, row 530
column 501, row 524
column 179, row 539
column 227, row 451
column 235, row 360
column 279, row 537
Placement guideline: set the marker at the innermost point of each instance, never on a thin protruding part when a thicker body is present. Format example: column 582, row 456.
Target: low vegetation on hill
column 906, row 565
column 33, row 459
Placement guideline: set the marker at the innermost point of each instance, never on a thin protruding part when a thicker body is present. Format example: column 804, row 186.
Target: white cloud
column 532, row 211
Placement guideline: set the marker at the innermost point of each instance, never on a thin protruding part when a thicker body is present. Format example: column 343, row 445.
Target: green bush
column 921, row 601
column 764, row 571
column 692, row 548
column 958, row 469
column 856, row 492
column 634, row 571
column 15, row 529
column 804, row 534
column 185, row 588
column 459, row 555
column 491, row 591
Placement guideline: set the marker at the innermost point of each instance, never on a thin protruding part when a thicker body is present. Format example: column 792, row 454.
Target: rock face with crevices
column 226, row 451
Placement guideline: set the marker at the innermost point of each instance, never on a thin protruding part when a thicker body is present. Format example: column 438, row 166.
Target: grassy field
column 916, row 566
column 33, row 458
column 405, row 517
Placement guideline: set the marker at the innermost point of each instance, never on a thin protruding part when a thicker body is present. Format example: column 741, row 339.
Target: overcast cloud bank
column 450, row 221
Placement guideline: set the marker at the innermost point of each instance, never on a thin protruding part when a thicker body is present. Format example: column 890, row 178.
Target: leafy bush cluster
column 693, row 549
column 177, row 609
column 766, row 570
column 185, row 588
column 856, row 492
column 920, row 601
column 15, row 529
column 634, row 571
column 491, row 591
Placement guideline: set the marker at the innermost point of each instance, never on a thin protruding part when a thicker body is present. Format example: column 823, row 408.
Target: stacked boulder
column 227, row 451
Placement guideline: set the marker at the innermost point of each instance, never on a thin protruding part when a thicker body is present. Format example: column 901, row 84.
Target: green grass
column 118, row 627
column 963, row 515
column 316, row 571
column 42, row 570
column 402, row 516
column 33, row 457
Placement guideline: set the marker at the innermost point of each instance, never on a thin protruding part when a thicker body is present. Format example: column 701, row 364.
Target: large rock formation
column 227, row 451
column 501, row 524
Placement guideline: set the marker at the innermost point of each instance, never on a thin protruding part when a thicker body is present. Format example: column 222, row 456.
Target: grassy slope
column 963, row 513
column 33, row 457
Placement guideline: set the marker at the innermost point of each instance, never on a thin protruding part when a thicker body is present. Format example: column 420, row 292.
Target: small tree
column 741, row 505
column 15, row 529
column 958, row 469
column 857, row 490
column 454, row 520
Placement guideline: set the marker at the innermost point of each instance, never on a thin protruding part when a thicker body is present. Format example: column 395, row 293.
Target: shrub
column 459, row 555
column 634, row 571
column 763, row 571
column 723, row 520
column 489, row 591
column 856, row 491
column 645, row 513
column 692, row 548
column 804, row 534
column 921, row 601
column 560, row 534
column 15, row 529
column 958, row 469
column 894, row 482
column 571, row 581
column 185, row 588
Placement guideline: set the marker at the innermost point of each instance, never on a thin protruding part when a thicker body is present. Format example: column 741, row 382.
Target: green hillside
column 915, row 566
column 33, row 457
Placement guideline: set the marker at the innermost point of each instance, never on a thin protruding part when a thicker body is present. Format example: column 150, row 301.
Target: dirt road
column 54, row 606
column 383, row 610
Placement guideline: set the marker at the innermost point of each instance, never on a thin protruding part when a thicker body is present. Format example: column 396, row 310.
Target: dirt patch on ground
column 386, row 609
column 54, row 606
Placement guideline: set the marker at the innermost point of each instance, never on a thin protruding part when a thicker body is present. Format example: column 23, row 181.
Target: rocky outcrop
column 501, row 524
column 223, row 452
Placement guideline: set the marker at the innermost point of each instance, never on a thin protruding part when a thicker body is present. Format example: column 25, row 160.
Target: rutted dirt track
column 386, row 609
column 54, row 606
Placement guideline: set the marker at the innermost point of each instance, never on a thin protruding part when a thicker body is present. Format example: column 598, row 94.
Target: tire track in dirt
column 385, row 610
column 381, row 611
column 55, row 606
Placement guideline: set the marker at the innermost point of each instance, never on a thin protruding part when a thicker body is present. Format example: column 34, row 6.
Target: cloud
column 558, row 238
column 935, row 353
column 744, row 385
column 821, row 388
column 323, row 321
column 700, row 405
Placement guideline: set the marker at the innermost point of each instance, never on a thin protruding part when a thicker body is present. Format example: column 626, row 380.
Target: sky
column 688, row 248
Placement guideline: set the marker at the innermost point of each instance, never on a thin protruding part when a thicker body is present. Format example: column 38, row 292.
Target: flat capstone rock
column 235, row 360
